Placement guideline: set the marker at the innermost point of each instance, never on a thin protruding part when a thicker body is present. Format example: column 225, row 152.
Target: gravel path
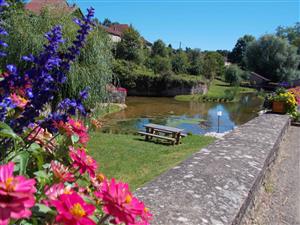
column 278, row 201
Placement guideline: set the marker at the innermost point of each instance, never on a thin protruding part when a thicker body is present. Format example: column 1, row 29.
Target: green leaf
column 7, row 132
column 42, row 209
column 4, row 126
column 41, row 174
column 74, row 139
column 34, row 147
column 24, row 222
column 22, row 161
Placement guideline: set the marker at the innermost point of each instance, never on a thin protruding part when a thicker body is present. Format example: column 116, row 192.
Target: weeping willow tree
column 93, row 68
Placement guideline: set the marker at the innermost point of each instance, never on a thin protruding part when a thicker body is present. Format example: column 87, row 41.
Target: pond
column 193, row 117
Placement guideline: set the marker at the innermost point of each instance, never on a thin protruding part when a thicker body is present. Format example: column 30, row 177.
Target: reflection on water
column 194, row 117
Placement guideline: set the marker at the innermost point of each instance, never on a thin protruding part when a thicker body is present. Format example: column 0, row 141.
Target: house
column 36, row 6
column 115, row 31
column 258, row 80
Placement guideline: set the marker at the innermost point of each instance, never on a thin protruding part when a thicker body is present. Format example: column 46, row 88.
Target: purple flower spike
column 2, row 54
column 3, row 32
column 29, row 58
column 3, row 3
column 12, row 69
column 84, row 94
column 3, row 44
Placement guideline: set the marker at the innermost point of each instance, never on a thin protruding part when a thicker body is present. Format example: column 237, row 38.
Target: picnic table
column 172, row 134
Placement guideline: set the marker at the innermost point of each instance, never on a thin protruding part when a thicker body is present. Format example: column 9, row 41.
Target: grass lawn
column 105, row 109
column 217, row 89
column 131, row 159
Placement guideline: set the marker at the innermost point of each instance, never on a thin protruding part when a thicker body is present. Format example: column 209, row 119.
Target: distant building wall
column 114, row 38
column 169, row 91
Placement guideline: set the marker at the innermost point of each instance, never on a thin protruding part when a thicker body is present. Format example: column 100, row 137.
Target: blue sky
column 204, row 24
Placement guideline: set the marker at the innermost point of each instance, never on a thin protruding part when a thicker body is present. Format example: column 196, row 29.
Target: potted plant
column 283, row 102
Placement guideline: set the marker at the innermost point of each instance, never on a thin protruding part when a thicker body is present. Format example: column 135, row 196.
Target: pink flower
column 80, row 130
column 61, row 172
column 19, row 101
column 63, row 127
column 84, row 162
column 16, row 195
column 43, row 138
column 73, row 210
column 53, row 192
column 119, row 203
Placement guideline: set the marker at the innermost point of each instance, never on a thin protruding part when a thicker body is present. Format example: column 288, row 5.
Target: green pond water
column 194, row 117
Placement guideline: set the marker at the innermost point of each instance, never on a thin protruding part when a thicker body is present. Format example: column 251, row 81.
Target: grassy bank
column 105, row 109
column 218, row 91
column 131, row 159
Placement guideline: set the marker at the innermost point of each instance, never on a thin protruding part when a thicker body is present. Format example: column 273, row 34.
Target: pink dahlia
column 53, row 192
column 80, row 130
column 120, row 203
column 61, row 173
column 73, row 210
column 16, row 195
column 84, row 162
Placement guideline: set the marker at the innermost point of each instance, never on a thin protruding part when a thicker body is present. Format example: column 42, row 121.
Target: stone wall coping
column 217, row 184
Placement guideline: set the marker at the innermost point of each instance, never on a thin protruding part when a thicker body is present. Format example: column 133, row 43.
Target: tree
column 159, row 49
column 213, row 65
column 224, row 53
column 273, row 58
column 233, row 75
column 195, row 61
column 180, row 62
column 160, row 65
column 106, row 22
column 292, row 34
column 238, row 52
column 130, row 47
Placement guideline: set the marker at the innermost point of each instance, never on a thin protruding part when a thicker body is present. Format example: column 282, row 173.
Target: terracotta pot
column 279, row 107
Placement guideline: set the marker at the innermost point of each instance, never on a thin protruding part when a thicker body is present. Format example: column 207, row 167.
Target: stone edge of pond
column 217, row 184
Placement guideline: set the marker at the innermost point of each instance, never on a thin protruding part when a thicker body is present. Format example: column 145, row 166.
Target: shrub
column 233, row 75
column 160, row 64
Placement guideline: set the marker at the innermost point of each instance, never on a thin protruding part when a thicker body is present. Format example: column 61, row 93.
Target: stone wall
column 217, row 184
column 183, row 89
column 117, row 97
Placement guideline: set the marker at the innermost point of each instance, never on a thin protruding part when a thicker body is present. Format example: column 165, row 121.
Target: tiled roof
column 37, row 5
column 259, row 76
column 116, row 29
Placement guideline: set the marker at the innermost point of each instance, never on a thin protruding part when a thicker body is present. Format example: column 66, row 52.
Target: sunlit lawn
column 130, row 159
column 217, row 89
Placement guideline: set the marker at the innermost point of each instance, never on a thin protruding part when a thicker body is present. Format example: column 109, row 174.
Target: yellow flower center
column 146, row 210
column 128, row 199
column 77, row 211
column 100, row 177
column 77, row 124
column 89, row 159
column 9, row 184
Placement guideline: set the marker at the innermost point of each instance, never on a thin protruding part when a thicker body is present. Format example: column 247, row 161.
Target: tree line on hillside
column 163, row 60
column 274, row 56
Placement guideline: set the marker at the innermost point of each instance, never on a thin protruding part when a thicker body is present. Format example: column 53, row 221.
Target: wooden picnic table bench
column 154, row 130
